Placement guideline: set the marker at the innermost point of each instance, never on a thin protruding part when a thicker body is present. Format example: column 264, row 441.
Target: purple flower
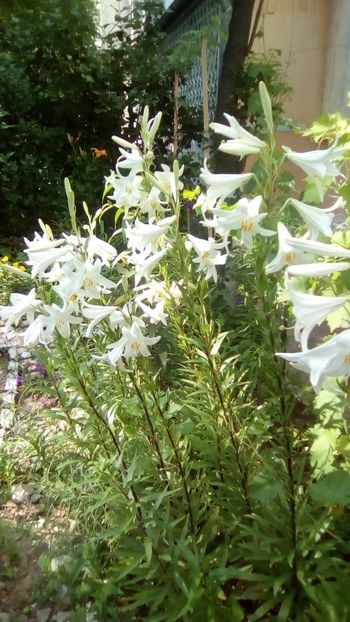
column 20, row 381
column 189, row 205
column 41, row 370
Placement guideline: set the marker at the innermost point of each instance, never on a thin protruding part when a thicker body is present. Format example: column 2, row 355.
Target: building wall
column 337, row 79
column 299, row 29
column 107, row 11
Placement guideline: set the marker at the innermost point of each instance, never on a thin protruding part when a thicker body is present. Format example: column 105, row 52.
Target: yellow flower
column 4, row 259
column 191, row 194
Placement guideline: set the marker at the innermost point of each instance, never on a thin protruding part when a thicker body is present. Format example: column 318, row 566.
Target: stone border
column 11, row 344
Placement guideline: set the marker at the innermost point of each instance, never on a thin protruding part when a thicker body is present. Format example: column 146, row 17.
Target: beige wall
column 299, row 28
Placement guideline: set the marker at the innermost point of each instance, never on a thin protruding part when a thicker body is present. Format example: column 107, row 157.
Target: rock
column 42, row 615
column 62, row 616
column 4, row 617
column 22, row 493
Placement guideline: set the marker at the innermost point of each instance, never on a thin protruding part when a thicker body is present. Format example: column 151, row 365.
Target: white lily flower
column 148, row 237
column 286, row 255
column 21, row 305
column 127, row 190
column 42, row 330
column 85, row 282
column 152, row 292
column 311, row 310
column 166, row 181
column 41, row 243
column 145, row 263
column 330, row 359
column 98, row 313
column 241, row 141
column 221, row 185
column 40, row 260
column 132, row 343
column 149, row 127
column 175, row 293
column 319, row 163
column 208, row 255
column 123, row 143
column 91, row 247
column 60, row 319
column 245, row 218
column 319, row 220
column 37, row 332
column 155, row 314
column 318, row 269
column 152, row 205
column 99, row 248
column 318, row 248
column 131, row 160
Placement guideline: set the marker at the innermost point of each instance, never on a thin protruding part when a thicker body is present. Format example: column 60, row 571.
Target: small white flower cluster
column 77, row 292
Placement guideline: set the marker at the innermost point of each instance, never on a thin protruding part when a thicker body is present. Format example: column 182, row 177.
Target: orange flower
column 99, row 153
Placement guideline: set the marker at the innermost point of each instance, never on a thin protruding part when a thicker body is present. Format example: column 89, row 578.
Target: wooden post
column 176, row 111
column 204, row 66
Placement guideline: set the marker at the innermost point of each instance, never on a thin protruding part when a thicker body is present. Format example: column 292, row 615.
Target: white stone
column 42, row 615
column 22, row 493
column 62, row 616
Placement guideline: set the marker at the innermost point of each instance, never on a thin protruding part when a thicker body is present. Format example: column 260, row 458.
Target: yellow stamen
column 289, row 257
column 246, row 226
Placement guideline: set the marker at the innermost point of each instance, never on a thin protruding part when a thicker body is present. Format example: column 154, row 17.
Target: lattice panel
column 196, row 19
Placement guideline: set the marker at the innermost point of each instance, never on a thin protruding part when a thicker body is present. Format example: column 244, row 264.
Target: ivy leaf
column 339, row 318
column 342, row 237
column 322, row 449
column 332, row 489
column 312, row 191
column 344, row 192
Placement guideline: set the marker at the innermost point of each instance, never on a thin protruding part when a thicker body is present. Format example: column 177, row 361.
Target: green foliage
column 53, row 84
column 63, row 96
column 246, row 104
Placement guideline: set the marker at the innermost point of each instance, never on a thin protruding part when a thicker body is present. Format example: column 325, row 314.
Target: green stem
column 153, row 438
column 177, row 459
column 104, row 424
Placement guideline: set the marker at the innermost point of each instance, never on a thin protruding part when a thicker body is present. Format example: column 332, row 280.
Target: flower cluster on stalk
column 86, row 282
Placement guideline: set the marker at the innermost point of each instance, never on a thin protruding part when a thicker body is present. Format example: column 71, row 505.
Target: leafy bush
column 62, row 96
